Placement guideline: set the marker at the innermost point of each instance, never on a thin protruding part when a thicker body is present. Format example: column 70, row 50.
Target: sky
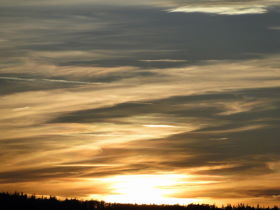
column 152, row 101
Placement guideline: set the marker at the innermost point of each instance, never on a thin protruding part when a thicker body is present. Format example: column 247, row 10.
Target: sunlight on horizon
column 146, row 189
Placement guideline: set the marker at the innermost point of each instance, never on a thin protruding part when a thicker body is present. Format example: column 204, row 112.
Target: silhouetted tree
column 20, row 201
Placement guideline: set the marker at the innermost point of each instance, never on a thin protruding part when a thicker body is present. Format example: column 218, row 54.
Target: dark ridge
column 20, row 201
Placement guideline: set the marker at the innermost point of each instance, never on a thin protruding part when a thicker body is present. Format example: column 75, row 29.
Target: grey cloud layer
column 222, row 6
column 129, row 36
column 44, row 38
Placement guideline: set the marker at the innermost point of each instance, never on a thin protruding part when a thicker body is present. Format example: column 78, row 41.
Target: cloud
column 274, row 28
column 222, row 10
column 165, row 60
column 225, row 7
column 111, row 36
column 222, row 6
column 186, row 144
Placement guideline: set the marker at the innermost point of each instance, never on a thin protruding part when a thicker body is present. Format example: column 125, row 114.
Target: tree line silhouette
column 20, row 201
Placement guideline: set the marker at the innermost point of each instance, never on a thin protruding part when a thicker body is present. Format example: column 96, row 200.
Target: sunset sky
column 141, row 101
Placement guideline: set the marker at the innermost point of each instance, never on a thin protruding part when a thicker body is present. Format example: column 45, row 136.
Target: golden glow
column 159, row 126
column 97, row 149
column 151, row 189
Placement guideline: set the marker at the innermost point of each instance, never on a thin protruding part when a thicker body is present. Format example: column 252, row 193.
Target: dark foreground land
column 19, row 201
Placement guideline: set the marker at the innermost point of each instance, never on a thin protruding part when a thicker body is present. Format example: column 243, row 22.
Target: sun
column 146, row 189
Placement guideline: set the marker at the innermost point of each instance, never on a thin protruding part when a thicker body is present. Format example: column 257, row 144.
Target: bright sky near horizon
column 152, row 101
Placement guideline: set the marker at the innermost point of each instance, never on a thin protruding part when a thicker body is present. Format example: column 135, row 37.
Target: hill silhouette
column 20, row 201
